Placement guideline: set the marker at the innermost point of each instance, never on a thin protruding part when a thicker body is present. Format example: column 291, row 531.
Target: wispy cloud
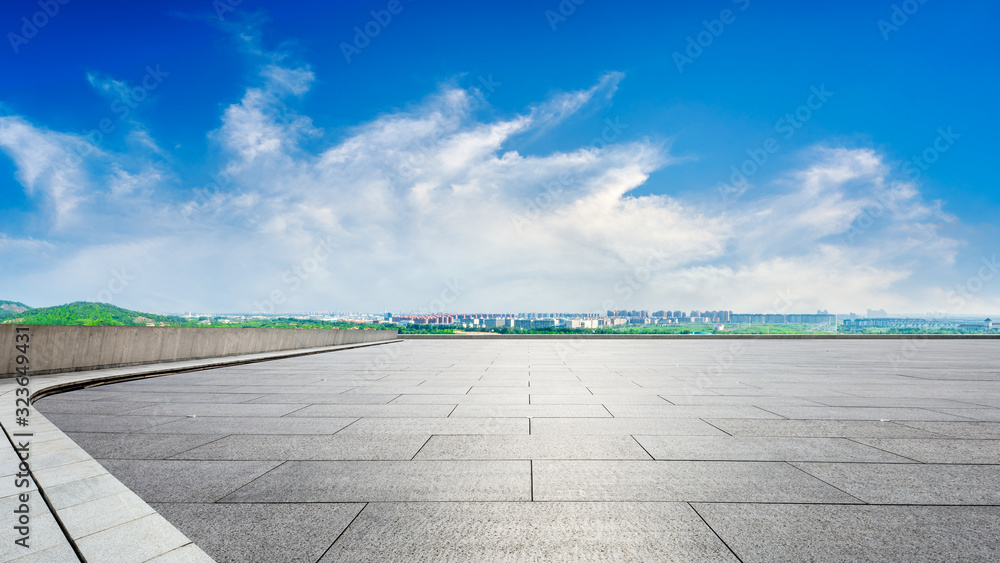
column 432, row 193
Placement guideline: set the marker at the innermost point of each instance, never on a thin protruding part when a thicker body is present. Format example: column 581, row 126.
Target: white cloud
column 416, row 199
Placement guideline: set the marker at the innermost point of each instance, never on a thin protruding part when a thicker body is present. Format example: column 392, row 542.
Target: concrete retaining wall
column 56, row 349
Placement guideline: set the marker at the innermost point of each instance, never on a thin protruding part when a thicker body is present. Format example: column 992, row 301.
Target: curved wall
column 56, row 349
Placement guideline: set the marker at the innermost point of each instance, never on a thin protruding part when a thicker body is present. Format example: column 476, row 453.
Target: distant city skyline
column 267, row 156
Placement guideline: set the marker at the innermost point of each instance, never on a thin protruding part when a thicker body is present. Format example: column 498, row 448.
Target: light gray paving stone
column 180, row 397
column 375, row 411
column 688, row 481
column 979, row 414
column 134, row 541
column 427, row 426
column 912, row 483
column 61, row 553
column 740, row 448
column 261, row 532
column 818, row 428
column 221, row 409
column 504, row 531
column 531, row 447
column 48, row 460
column 189, row 553
column 70, row 472
column 107, row 445
column 482, row 399
column 94, row 516
column 342, row 399
column 84, row 490
column 380, row 481
column 596, row 399
column 57, row 405
column 107, row 423
column 185, row 481
column 43, row 531
column 246, row 425
column 341, row 446
column 861, row 413
column 793, row 533
column 547, row 411
column 619, row 426
column 940, row 450
column 966, row 430
column 697, row 411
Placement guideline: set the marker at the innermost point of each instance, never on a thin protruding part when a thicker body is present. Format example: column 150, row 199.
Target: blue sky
column 501, row 156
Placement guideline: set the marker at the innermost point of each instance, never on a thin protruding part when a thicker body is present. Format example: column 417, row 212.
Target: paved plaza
column 547, row 449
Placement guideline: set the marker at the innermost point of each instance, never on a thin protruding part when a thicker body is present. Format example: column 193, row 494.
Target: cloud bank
column 431, row 200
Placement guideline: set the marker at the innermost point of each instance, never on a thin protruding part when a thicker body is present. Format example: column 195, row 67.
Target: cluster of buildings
column 888, row 322
column 612, row 318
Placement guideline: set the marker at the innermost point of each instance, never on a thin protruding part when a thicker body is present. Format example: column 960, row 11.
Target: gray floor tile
column 500, row 531
column 619, row 426
column 794, row 533
column 818, row 428
column 185, row 481
column 381, row 481
column 694, row 481
column 531, row 447
column 305, row 447
column 106, row 445
column 427, row 426
column 912, row 483
column 940, row 450
column 375, row 411
column 241, row 533
column 740, row 448
column 245, row 425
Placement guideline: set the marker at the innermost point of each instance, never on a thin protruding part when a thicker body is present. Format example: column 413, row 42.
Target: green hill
column 11, row 308
column 85, row 313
